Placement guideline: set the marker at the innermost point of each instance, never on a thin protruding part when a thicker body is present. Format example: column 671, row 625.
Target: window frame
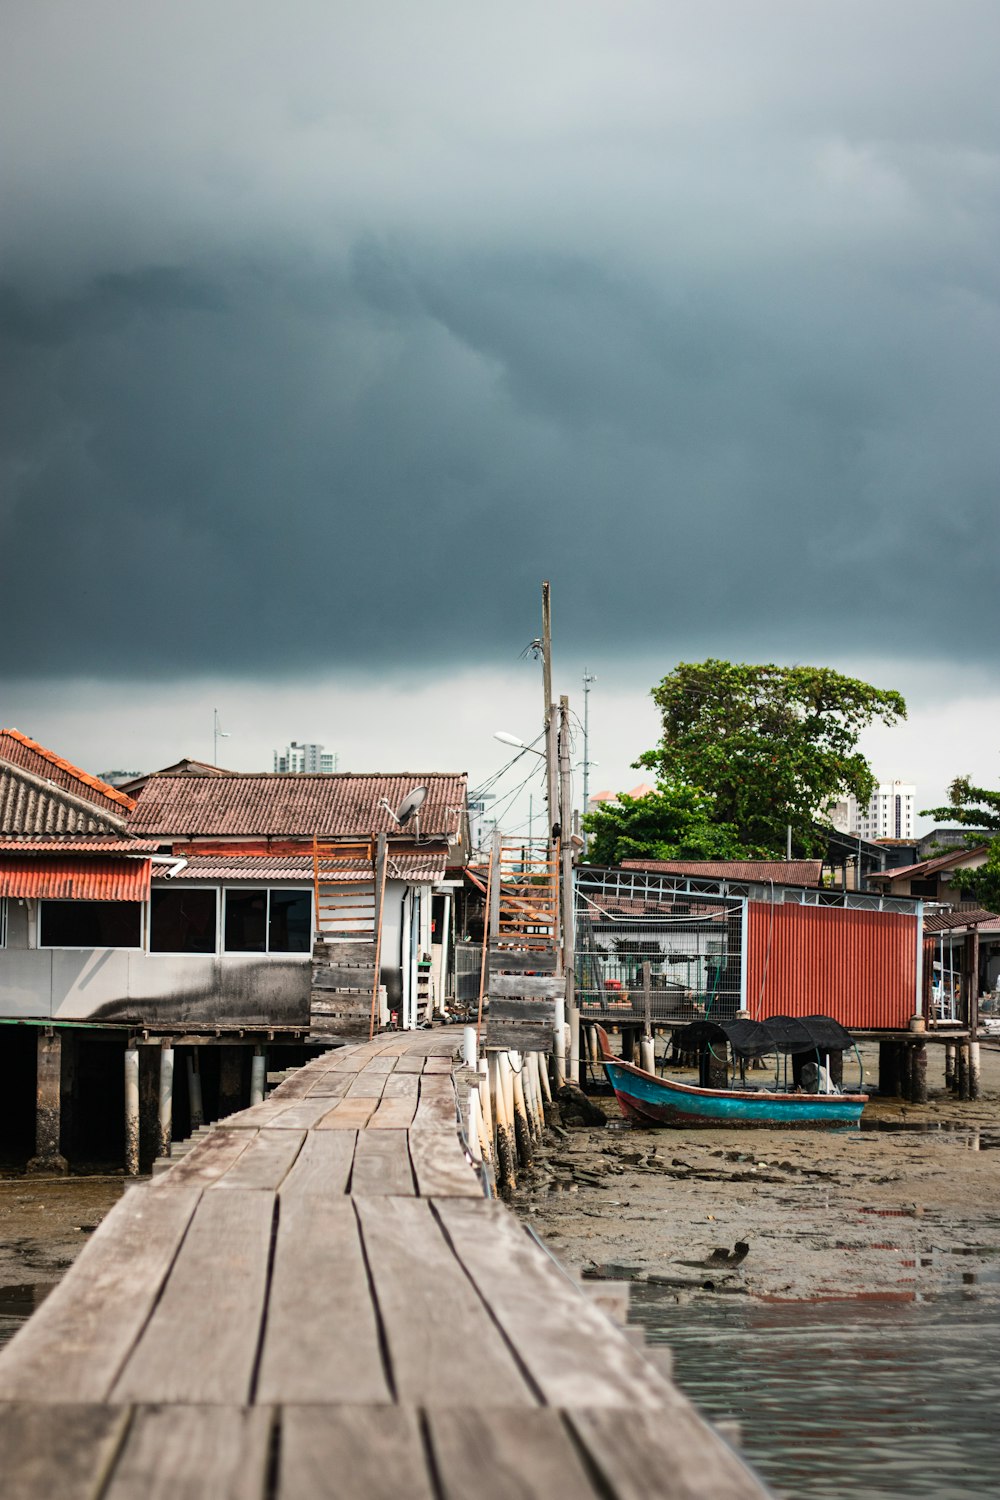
column 268, row 953
column 84, row 947
column 185, row 885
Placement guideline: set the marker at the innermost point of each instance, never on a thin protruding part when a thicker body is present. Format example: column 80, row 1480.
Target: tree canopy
column 673, row 822
column 768, row 746
column 975, row 807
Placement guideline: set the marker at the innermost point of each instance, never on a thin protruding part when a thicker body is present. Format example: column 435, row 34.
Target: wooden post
column 963, row 1070
column 522, row 1134
column 230, row 1080
column 647, row 1054
column 132, row 1111
column 974, row 1077
column 906, row 1070
column 949, row 1065
column 505, row 1169
column 485, row 1108
column 166, row 1100
column 258, row 1075
column 919, row 1073
column 888, row 1071
column 48, row 1095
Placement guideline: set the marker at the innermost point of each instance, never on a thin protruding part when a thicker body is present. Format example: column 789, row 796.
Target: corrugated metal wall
column 859, row 966
column 75, row 880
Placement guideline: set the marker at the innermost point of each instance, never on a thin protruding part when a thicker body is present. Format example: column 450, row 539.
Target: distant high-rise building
column 304, row 759
column 889, row 814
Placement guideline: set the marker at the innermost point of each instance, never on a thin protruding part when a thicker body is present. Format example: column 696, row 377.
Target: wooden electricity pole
column 551, row 735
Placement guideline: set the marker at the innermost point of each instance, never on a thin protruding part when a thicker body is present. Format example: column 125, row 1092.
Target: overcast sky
column 329, row 330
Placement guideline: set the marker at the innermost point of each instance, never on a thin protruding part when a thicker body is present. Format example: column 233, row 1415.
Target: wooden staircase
column 348, row 894
column 523, row 957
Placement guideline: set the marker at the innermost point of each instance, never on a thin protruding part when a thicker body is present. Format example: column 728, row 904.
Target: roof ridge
column 94, row 782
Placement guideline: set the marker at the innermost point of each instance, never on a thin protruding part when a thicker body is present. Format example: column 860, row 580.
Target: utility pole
column 566, row 901
column 551, row 736
column 588, row 678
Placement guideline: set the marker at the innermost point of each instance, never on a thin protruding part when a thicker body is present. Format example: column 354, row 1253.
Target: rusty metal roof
column 98, row 843
column 929, row 866
column 276, row 805
column 19, row 750
column 71, row 879
column 422, row 868
column 31, row 804
column 801, row 872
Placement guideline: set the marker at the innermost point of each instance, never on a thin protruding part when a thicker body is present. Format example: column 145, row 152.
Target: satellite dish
column 411, row 803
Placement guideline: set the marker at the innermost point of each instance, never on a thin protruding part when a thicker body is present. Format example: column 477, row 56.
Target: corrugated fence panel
column 858, row 966
column 75, row 879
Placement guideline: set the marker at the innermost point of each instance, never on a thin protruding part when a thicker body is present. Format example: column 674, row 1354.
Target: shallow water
column 877, row 1398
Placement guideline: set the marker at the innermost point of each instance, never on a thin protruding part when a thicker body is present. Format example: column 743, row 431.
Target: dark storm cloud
column 722, row 364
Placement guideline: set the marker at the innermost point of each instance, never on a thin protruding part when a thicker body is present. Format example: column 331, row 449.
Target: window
column 90, row 924
column 182, row 921
column 268, row 921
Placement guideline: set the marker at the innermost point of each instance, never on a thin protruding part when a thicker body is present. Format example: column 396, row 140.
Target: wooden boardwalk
column 317, row 1300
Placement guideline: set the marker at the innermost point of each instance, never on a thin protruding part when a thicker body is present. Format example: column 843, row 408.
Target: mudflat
column 909, row 1204
column 45, row 1223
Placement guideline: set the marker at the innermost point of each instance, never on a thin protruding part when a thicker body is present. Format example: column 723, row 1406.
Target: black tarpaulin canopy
column 777, row 1034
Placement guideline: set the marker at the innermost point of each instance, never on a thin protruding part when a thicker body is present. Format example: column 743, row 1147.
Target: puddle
column 17, row 1303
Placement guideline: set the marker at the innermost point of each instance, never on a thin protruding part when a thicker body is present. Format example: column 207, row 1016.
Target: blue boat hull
column 647, row 1100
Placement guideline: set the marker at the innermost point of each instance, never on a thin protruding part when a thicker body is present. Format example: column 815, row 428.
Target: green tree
column 975, row 807
column 771, row 745
column 673, row 822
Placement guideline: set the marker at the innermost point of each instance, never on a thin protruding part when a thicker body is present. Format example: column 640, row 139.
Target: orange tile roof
column 20, row 750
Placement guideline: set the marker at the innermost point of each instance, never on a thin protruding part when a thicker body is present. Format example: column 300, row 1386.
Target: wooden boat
column 648, row 1100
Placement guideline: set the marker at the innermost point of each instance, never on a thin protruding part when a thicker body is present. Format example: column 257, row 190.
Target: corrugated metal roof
column 800, row 872
column 74, row 879
column 947, row 921
column 30, row 804
column 277, row 805
column 98, row 843
column 422, row 868
column 19, row 750
column 929, row 866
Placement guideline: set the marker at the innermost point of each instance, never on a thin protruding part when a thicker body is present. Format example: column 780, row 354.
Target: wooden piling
column 486, row 1109
column 950, row 1075
column 503, row 1132
column 132, row 1111
column 919, row 1073
column 48, row 1099
column 963, row 1070
column 522, row 1135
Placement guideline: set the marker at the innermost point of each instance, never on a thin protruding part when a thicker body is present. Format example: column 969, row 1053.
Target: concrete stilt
column 974, row 1080
column 166, row 1101
column 195, row 1100
column 949, row 1065
column 919, row 1073
column 258, row 1067
column 132, row 1111
column 48, row 1095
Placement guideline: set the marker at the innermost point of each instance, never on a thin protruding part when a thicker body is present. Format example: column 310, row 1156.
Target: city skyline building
column 305, row 759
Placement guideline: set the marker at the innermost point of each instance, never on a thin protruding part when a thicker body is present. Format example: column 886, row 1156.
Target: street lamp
column 512, row 739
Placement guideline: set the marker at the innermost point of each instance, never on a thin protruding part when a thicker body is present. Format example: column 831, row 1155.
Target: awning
column 775, row 1034
column 75, row 879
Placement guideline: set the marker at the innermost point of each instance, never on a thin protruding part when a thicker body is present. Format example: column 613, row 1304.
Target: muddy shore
column 908, row 1205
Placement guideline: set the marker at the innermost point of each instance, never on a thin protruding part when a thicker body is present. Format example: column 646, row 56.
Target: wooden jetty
column 318, row 1300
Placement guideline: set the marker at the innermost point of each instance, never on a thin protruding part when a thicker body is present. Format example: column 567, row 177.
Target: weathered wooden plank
column 410, row 1062
column 207, row 1161
column 294, row 1087
column 441, row 1167
column 201, row 1341
column 346, row 1060
column 674, row 1445
column 348, row 1114
column 382, row 1062
column 402, row 1086
column 555, row 1330
column 343, row 977
column 509, row 1455
column 430, row 1313
column 303, row 1115
column 322, row 1338
column 257, row 1115
column 537, row 988
column 372, row 1453
column 264, row 1164
column 72, row 1348
column 63, row 1452
column 381, row 1164
column 517, row 1036
column 438, row 1064
column 176, row 1451
column 436, row 1109
column 367, row 1085
column 519, row 960
column 322, row 1166
column 331, row 1085
column 394, row 1113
